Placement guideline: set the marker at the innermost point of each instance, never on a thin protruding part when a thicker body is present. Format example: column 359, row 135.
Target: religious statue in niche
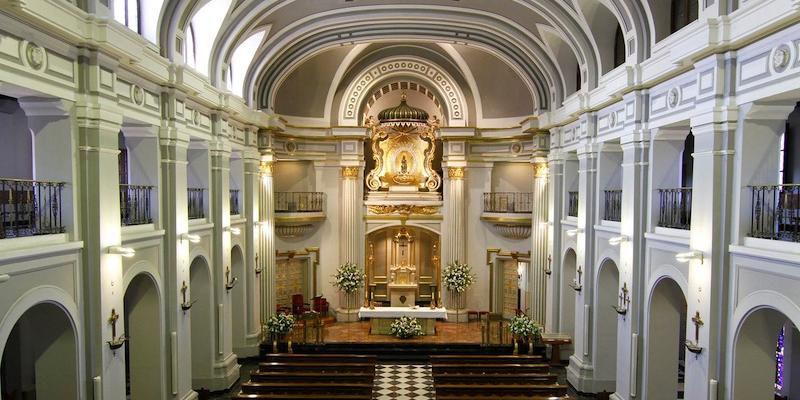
column 403, row 147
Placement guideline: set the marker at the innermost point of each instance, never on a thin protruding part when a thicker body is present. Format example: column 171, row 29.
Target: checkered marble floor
column 403, row 382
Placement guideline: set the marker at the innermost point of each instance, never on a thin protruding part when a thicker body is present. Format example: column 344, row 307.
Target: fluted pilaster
column 266, row 238
column 350, row 217
column 537, row 279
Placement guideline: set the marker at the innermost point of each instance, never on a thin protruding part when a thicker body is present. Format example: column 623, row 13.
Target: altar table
column 381, row 318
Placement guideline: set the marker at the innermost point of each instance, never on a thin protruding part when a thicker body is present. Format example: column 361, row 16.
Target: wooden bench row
column 311, row 376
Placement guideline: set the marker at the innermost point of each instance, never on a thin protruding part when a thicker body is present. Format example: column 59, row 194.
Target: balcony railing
column 299, row 201
column 572, row 204
column 134, row 204
column 29, row 208
column 195, row 199
column 612, row 210
column 675, row 208
column 508, row 202
column 234, row 203
column 776, row 212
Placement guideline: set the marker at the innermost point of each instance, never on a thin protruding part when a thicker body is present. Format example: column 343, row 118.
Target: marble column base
column 457, row 316
column 346, row 315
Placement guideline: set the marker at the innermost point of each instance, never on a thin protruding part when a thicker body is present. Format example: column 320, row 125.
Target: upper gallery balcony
column 29, row 208
column 572, row 204
column 196, row 202
column 775, row 212
column 509, row 213
column 296, row 213
column 675, row 208
column 135, row 204
column 234, row 202
column 612, row 205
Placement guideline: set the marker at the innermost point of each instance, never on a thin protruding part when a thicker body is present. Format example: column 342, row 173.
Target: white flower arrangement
column 457, row 277
column 348, row 278
column 406, row 327
column 280, row 324
column 523, row 327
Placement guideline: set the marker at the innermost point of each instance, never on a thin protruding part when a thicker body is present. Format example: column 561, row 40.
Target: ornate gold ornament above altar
column 403, row 147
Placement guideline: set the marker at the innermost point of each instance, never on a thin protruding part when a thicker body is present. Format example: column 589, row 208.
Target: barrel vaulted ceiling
column 489, row 63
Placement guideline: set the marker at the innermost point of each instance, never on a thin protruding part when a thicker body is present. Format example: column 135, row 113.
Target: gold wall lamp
column 230, row 283
column 577, row 283
column 624, row 300
column 115, row 342
column 185, row 306
column 695, row 347
column 257, row 270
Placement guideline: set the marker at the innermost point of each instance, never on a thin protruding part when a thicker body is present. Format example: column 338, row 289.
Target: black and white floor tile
column 403, row 382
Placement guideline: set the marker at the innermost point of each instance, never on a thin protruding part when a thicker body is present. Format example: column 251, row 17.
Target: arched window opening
column 122, row 159
column 619, row 47
column 191, row 48
column 687, row 161
column 682, row 13
column 240, row 61
column 578, row 78
column 210, row 18
column 140, row 16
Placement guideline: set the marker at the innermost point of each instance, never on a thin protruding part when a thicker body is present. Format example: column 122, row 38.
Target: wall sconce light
column 122, row 251
column 574, row 232
column 185, row 305
column 115, row 342
column 624, row 300
column 233, row 231
column 257, row 270
column 4, row 277
column 689, row 255
column 549, row 269
column 694, row 346
column 190, row 237
column 229, row 283
column 616, row 240
column 577, row 284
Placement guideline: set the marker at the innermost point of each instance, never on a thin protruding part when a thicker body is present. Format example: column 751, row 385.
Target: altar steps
column 402, row 351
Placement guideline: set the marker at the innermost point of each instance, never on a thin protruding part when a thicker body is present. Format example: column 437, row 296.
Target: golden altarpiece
column 403, row 208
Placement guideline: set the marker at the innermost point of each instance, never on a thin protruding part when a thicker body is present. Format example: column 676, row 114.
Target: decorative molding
column 540, row 170
column 265, row 168
column 137, row 94
column 404, row 209
column 513, row 231
column 292, row 231
column 350, row 172
column 781, row 57
column 35, row 55
column 455, row 172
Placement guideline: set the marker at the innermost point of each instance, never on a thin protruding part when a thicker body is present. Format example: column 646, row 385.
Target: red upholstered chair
column 320, row 305
column 299, row 306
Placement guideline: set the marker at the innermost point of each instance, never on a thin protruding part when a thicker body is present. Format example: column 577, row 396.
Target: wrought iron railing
column 234, row 202
column 135, row 205
column 612, row 208
column 196, row 202
column 299, row 201
column 675, row 208
column 572, row 204
column 29, row 208
column 776, row 212
column 508, row 202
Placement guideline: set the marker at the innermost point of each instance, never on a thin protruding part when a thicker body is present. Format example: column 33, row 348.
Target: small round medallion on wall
column 34, row 55
column 516, row 148
column 196, row 117
column 612, row 120
column 138, row 95
column 673, row 96
column 291, row 146
column 781, row 57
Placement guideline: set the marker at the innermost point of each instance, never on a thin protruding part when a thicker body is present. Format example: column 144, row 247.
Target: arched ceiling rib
column 506, row 29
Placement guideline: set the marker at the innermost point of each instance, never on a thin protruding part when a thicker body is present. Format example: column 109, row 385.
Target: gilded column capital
column 265, row 168
column 540, row 170
column 350, row 172
column 455, row 172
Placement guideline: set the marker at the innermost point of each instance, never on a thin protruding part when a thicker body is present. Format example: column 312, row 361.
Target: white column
column 350, row 216
column 537, row 279
column 250, row 192
column 555, row 195
column 454, row 237
column 266, row 239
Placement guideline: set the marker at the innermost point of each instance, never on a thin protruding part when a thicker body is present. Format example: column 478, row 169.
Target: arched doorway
column 40, row 358
column 202, row 329
column 665, row 341
column 143, row 351
column 606, row 324
column 568, row 273
column 766, row 348
column 238, row 299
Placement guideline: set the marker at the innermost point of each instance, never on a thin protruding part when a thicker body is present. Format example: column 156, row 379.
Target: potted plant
column 406, row 327
column 457, row 278
column 523, row 327
column 348, row 279
column 280, row 325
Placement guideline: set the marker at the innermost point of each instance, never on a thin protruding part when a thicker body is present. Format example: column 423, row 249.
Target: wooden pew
column 506, row 379
column 321, row 367
column 500, row 391
column 494, row 359
column 317, row 358
column 489, row 368
column 308, row 388
column 302, row 377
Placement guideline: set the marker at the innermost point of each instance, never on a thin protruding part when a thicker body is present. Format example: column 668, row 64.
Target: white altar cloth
column 397, row 312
